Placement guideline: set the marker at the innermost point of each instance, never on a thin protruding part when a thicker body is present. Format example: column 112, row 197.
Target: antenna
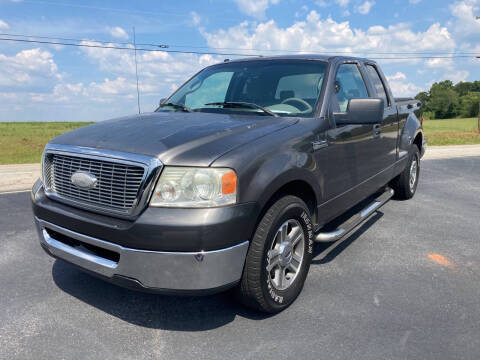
column 136, row 69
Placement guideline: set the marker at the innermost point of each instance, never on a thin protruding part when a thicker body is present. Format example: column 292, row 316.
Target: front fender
column 279, row 171
column 267, row 164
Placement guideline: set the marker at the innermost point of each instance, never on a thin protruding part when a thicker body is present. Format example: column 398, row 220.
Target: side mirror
column 361, row 111
column 162, row 100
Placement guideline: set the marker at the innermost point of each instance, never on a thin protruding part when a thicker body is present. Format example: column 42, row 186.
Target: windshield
column 281, row 87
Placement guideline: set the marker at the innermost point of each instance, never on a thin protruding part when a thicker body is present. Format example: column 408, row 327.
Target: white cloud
column 315, row 34
column 321, row 3
column 117, row 32
column 196, row 19
column 446, row 63
column 28, row 68
column 255, row 8
column 400, row 87
column 342, row 3
column 456, row 75
column 365, row 7
column 398, row 76
column 31, row 82
column 114, row 87
column 3, row 25
column 158, row 72
column 465, row 24
column 303, row 10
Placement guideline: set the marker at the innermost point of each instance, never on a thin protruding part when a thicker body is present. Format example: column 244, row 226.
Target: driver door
column 348, row 157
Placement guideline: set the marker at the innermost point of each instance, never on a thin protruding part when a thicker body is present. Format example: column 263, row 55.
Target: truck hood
column 176, row 138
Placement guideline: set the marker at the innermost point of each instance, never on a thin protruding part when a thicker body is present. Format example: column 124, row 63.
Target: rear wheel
column 406, row 183
column 279, row 257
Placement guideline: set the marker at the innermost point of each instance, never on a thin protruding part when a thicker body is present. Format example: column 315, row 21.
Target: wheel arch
column 418, row 140
column 411, row 134
column 298, row 187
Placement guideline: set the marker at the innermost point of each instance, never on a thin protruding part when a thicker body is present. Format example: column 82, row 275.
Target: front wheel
column 406, row 183
column 279, row 256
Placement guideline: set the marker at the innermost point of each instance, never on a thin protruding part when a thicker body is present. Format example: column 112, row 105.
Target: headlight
column 195, row 187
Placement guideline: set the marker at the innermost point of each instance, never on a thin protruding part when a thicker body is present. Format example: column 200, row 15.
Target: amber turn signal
column 229, row 183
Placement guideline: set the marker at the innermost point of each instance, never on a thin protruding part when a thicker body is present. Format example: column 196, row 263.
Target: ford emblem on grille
column 83, row 180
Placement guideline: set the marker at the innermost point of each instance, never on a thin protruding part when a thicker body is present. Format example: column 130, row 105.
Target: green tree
column 476, row 86
column 463, row 88
column 423, row 97
column 468, row 104
column 443, row 100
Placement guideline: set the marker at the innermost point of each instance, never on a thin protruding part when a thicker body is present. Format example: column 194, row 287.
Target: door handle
column 377, row 129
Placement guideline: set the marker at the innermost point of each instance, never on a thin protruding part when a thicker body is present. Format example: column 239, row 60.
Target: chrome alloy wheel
column 413, row 173
column 285, row 257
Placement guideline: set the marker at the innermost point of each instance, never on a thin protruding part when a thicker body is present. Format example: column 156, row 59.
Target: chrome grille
column 118, row 183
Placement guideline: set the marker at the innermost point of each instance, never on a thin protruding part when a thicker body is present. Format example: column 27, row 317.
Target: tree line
column 445, row 100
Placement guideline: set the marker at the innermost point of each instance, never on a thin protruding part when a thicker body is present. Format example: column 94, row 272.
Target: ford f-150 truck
column 232, row 179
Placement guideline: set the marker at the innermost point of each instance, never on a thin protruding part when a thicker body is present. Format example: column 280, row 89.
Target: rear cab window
column 377, row 83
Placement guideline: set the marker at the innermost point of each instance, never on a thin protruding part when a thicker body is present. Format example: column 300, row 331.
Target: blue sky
column 40, row 82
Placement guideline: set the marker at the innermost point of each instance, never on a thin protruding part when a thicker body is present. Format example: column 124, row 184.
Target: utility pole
column 478, row 124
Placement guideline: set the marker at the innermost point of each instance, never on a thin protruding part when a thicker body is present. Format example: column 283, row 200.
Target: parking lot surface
column 405, row 285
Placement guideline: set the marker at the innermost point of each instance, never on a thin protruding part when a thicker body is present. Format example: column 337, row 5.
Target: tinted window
column 378, row 84
column 349, row 84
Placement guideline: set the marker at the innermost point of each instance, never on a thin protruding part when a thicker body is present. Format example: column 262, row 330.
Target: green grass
column 23, row 142
column 452, row 131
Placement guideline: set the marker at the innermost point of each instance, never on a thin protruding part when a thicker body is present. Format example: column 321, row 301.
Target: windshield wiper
column 243, row 104
column 177, row 106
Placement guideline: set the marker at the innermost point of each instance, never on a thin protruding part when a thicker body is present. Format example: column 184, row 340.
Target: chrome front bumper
column 152, row 270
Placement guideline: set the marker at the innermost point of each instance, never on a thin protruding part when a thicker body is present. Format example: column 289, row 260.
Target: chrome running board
column 355, row 220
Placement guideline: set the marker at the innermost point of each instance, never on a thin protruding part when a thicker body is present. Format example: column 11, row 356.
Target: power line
column 125, row 48
column 133, row 48
column 163, row 46
column 166, row 46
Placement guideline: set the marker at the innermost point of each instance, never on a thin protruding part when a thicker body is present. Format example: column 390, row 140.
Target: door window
column 349, row 84
column 378, row 84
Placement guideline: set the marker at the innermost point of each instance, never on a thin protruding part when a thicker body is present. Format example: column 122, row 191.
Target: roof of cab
column 299, row 57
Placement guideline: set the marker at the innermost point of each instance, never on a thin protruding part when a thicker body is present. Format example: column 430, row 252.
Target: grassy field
column 452, row 131
column 22, row 143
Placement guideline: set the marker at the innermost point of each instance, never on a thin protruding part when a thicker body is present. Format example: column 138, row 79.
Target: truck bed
column 406, row 105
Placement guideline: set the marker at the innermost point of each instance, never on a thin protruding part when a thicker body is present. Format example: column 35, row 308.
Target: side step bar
column 355, row 220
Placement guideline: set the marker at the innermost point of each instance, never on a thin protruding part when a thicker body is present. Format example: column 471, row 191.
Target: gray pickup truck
column 233, row 178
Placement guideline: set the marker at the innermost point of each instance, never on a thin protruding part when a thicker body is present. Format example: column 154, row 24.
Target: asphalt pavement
column 405, row 285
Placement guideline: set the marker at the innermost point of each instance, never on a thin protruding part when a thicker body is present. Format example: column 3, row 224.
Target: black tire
column 401, row 184
column 256, row 289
